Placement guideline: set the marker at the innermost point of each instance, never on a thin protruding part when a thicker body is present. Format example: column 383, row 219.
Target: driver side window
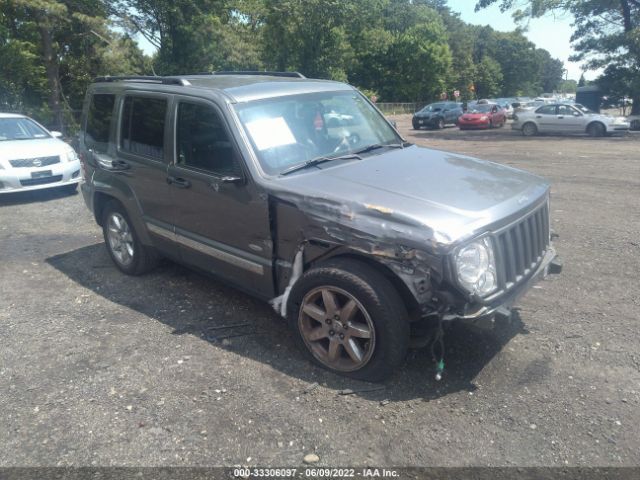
column 202, row 141
column 565, row 110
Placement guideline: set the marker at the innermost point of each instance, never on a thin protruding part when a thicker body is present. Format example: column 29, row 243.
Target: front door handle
column 538, row 116
column 178, row 182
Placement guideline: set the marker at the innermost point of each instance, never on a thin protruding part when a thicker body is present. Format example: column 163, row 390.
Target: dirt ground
column 174, row 368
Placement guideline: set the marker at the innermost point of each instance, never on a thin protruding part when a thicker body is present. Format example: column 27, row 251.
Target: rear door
column 546, row 118
column 221, row 220
column 142, row 158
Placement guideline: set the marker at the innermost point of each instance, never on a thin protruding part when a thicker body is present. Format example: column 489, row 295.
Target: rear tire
column 345, row 292
column 123, row 243
column 596, row 129
column 529, row 129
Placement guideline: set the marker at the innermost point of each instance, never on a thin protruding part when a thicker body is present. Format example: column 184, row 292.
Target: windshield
column 582, row 108
column 434, row 107
column 482, row 108
column 285, row 131
column 20, row 129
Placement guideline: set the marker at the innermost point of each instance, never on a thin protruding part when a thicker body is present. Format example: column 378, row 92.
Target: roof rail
column 257, row 72
column 144, row 79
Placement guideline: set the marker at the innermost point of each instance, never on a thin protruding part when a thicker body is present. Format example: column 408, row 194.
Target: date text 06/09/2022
column 320, row 472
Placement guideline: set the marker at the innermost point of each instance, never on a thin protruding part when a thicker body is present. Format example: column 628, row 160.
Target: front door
column 221, row 221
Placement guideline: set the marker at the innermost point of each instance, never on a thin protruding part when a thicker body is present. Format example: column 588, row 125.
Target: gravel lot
column 174, row 368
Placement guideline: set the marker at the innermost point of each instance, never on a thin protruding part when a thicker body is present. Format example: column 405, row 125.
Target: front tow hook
column 555, row 266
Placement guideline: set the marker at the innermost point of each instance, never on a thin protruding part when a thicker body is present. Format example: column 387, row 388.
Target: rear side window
column 143, row 120
column 547, row 110
column 99, row 116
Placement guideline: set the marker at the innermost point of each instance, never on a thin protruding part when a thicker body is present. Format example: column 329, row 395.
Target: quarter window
column 202, row 141
column 99, row 122
column 143, row 120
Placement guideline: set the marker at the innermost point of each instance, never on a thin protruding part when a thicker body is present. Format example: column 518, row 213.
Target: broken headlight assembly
column 475, row 267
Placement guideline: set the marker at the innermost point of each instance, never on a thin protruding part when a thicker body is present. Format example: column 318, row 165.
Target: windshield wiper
column 375, row 146
column 317, row 161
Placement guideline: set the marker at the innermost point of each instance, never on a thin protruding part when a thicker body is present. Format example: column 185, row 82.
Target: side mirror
column 395, row 124
column 576, row 114
column 56, row 134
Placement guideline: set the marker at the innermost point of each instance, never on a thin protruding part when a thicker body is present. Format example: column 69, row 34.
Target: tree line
column 399, row 50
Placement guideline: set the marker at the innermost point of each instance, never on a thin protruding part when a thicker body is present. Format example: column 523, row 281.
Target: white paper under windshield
column 270, row 132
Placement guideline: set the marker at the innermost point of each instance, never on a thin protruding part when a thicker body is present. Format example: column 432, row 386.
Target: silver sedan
column 32, row 158
column 566, row 118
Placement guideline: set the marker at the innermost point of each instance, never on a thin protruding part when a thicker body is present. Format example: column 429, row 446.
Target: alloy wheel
column 120, row 239
column 336, row 329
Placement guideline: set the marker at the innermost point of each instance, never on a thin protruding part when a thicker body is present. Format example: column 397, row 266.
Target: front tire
column 123, row 243
column 349, row 319
column 596, row 129
column 441, row 124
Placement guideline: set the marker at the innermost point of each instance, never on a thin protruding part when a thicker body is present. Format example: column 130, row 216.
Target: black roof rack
column 144, row 79
column 257, row 72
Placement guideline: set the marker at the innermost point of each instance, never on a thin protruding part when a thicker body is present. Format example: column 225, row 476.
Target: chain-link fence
column 390, row 108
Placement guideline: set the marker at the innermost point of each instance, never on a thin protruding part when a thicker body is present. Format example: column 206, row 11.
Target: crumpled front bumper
column 501, row 307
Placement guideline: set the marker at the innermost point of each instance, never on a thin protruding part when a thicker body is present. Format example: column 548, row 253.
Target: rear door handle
column 178, row 182
column 119, row 165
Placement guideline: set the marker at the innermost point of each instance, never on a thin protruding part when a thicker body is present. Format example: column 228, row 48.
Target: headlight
column 72, row 156
column 476, row 267
column 484, row 117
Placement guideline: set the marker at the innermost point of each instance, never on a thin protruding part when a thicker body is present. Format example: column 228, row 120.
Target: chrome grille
column 521, row 246
column 34, row 162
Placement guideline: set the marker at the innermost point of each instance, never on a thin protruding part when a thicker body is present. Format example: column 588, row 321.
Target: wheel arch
column 402, row 288
column 101, row 199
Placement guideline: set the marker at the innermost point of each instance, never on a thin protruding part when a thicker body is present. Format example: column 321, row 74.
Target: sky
column 550, row 33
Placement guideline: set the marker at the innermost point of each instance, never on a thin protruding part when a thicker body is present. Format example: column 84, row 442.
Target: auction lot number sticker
column 315, row 472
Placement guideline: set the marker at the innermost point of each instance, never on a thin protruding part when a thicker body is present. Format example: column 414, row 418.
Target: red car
column 487, row 115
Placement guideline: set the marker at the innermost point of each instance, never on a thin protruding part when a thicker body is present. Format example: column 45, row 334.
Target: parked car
column 483, row 115
column 567, row 118
column 359, row 243
column 634, row 122
column 32, row 157
column 508, row 108
column 437, row 115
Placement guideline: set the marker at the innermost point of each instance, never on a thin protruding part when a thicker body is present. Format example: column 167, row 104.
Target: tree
column 582, row 82
column 489, row 78
column 606, row 33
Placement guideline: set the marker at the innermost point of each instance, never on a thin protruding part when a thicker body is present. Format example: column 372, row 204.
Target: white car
column 32, row 157
column 567, row 118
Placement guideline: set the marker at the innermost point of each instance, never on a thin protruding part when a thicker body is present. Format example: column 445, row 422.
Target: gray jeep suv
column 300, row 192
